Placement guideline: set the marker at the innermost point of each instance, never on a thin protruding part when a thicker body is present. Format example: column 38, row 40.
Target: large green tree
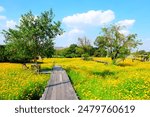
column 101, row 47
column 32, row 37
column 116, row 44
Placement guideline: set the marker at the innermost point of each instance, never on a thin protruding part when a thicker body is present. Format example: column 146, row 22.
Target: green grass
column 107, row 87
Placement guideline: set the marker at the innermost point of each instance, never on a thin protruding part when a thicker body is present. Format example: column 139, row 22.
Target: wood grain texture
column 59, row 86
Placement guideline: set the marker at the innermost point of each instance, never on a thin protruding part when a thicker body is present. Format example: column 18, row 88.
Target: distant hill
column 59, row 48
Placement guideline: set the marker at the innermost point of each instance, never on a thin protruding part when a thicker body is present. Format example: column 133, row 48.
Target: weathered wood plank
column 59, row 86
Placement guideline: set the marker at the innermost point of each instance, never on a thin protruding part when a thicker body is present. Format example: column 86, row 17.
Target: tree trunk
column 35, row 60
column 113, row 60
column 24, row 66
column 114, row 57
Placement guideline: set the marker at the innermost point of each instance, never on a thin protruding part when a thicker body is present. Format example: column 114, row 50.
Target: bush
column 32, row 92
column 86, row 57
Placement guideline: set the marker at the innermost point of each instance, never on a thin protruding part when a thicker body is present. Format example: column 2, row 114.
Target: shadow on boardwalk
column 59, row 86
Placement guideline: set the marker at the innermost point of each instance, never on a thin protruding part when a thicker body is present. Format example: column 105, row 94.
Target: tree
column 101, row 50
column 141, row 52
column 79, row 51
column 115, row 43
column 84, row 43
column 33, row 37
column 70, row 52
column 141, row 55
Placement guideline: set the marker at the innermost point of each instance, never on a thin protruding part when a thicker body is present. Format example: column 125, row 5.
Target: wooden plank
column 48, row 91
column 45, row 72
column 59, row 86
column 69, row 91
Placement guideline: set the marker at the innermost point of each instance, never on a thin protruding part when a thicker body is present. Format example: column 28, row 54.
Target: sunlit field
column 16, row 83
column 91, row 80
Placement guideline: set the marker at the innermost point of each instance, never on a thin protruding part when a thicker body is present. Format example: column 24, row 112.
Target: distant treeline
column 72, row 51
column 75, row 50
column 141, row 55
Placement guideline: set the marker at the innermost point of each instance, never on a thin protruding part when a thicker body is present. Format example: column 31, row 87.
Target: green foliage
column 32, row 92
column 116, row 44
column 32, row 37
column 100, row 52
column 79, row 51
column 84, row 43
column 141, row 55
column 86, row 57
column 71, row 52
column 58, row 53
column 3, row 53
column 141, row 52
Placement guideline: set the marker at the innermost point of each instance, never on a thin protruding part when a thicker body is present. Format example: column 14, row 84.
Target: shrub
column 86, row 57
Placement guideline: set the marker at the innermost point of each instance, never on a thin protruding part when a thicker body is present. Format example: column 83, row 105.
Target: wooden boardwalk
column 59, row 86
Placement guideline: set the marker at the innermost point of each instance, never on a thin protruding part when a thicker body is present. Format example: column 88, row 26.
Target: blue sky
column 83, row 17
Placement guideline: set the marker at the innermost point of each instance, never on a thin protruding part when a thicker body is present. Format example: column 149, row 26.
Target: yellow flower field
column 17, row 83
column 91, row 80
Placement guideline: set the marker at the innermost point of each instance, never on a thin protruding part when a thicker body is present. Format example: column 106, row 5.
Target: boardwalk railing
column 59, row 86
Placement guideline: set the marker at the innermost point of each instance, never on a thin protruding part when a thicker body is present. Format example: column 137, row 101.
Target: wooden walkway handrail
column 59, row 86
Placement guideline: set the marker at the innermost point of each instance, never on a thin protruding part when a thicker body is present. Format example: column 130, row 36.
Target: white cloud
column 124, row 31
column 75, row 32
column 87, row 24
column 127, row 23
column 90, row 18
column 80, row 24
column 69, row 37
column 2, row 17
column 10, row 24
column 1, row 9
